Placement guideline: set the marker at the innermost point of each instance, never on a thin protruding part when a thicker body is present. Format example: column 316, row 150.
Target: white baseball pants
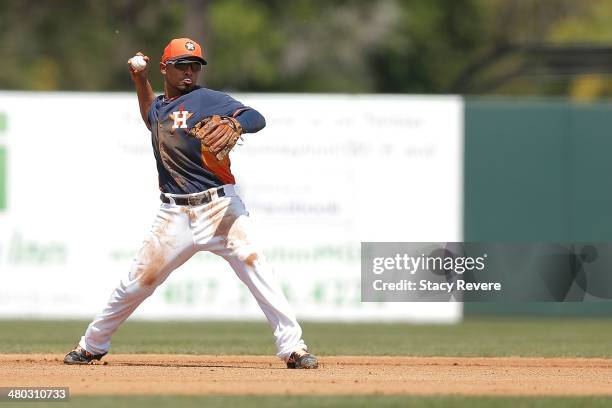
column 221, row 227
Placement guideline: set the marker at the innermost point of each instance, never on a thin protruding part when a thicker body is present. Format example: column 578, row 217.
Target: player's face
column 181, row 76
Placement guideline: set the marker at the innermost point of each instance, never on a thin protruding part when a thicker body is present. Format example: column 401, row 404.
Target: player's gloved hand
column 218, row 133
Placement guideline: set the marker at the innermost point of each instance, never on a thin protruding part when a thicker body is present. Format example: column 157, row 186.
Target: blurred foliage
column 390, row 46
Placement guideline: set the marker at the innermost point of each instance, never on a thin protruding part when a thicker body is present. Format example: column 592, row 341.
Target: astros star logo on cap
column 189, row 46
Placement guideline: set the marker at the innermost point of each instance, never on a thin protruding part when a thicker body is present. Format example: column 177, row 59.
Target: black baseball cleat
column 81, row 356
column 302, row 359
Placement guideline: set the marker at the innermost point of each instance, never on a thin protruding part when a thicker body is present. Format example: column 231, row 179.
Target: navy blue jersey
column 183, row 165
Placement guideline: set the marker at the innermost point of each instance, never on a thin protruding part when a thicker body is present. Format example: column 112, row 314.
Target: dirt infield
column 147, row 374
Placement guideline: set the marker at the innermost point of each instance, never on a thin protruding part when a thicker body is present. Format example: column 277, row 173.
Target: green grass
column 475, row 337
column 324, row 402
column 548, row 337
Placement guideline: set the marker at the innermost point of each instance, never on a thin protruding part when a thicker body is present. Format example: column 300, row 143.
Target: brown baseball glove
column 218, row 133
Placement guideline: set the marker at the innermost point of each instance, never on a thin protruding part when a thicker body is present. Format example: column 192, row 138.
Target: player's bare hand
column 135, row 72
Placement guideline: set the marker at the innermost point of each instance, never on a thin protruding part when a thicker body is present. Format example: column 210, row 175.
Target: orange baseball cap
column 183, row 48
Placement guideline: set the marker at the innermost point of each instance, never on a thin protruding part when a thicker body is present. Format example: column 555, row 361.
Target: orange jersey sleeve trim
column 220, row 168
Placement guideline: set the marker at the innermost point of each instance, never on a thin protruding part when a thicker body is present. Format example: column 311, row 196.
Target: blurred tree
column 590, row 26
column 329, row 46
column 544, row 48
column 430, row 45
column 244, row 46
column 418, row 46
column 80, row 45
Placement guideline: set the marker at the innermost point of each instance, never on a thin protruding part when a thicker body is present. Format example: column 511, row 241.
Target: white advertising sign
column 327, row 172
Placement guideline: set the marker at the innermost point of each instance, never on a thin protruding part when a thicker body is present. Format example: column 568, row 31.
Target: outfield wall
column 538, row 171
column 78, row 192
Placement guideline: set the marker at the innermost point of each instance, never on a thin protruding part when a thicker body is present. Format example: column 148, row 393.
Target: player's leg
column 256, row 274
column 230, row 238
column 168, row 245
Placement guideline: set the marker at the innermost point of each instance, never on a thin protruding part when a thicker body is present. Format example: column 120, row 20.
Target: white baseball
column 138, row 63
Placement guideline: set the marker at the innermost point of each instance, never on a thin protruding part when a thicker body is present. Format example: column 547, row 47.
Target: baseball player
column 192, row 130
